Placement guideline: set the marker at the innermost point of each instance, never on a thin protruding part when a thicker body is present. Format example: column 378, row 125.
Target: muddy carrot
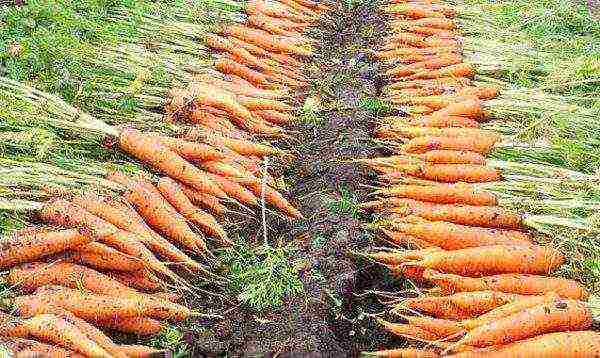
column 143, row 280
column 483, row 216
column 174, row 194
column 139, row 351
column 223, row 44
column 498, row 259
column 141, row 326
column 150, row 149
column 413, row 132
column 407, row 240
column 271, row 196
column 451, row 173
column 204, row 200
column 443, row 121
column 470, row 107
column 27, row 348
column 189, row 150
column 459, row 193
column 442, row 328
column 459, row 70
column 103, row 257
column 482, row 145
column 30, row 247
column 452, row 157
column 408, row 331
column 159, row 214
column 229, row 66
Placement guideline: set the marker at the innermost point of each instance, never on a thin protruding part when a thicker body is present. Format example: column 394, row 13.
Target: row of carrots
column 121, row 264
column 486, row 289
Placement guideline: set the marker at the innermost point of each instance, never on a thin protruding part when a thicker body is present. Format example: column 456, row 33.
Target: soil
column 329, row 319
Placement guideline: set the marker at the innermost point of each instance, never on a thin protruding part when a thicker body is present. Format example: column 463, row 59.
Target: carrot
column 426, row 30
column 408, row 331
column 483, row 216
column 263, row 22
column 508, row 309
column 407, row 240
column 558, row 316
column 413, row 132
column 92, row 306
column 51, row 328
column 452, row 157
column 481, row 92
column 189, row 150
column 271, row 196
column 236, row 190
column 151, row 150
column 404, row 353
column 416, row 92
column 450, row 173
column 443, row 121
column 27, row 348
column 436, row 62
column 254, row 104
column 141, row 326
column 104, row 257
column 241, row 146
column 483, row 144
column 412, row 11
column 551, row 345
column 223, row 44
column 126, row 218
column 274, row 117
column 168, row 296
column 139, row 351
column 434, row 82
column 30, row 247
column 442, row 328
column 275, row 43
column 173, row 192
column 497, row 259
column 458, row 70
column 435, row 22
column 239, row 86
column 470, row 107
column 143, row 280
column 159, row 214
column 511, row 283
column 204, row 200
column 231, row 67
column 274, row 9
column 442, row 193
column 33, row 275
column 460, row 305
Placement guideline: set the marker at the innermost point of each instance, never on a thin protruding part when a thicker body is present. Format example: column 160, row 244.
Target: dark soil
column 329, row 318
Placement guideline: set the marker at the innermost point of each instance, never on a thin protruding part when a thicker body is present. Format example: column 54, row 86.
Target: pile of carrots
column 487, row 289
column 120, row 264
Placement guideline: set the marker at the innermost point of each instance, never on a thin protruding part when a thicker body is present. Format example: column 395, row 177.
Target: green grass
column 262, row 277
column 171, row 339
column 346, row 203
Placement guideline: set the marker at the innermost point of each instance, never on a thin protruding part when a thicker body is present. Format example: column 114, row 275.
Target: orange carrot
column 275, row 43
column 412, row 11
column 484, row 216
column 497, row 259
column 31, row 276
column 51, row 328
column 141, row 326
column 30, row 247
column 443, row 82
column 413, row 132
column 126, row 218
column 27, row 348
column 452, row 157
column 408, row 331
column 231, row 67
column 435, row 22
column 470, row 107
column 424, row 144
column 442, row 193
column 174, row 194
column 223, row 44
column 143, row 280
column 459, row 70
column 442, row 328
column 274, row 9
column 204, row 200
column 407, row 240
column 92, row 306
column 551, row 345
column 103, row 257
column 139, row 351
column 271, row 196
column 189, row 150
column 511, row 283
column 508, row 309
column 481, row 92
column 447, row 173
column 159, row 214
column 558, row 316
column 150, row 149
column 404, row 353
column 460, row 305
column 254, row 104
column 444, row 121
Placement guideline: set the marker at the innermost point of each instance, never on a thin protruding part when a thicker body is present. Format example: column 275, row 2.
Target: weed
column 263, row 276
column 171, row 338
column 346, row 204
column 375, row 105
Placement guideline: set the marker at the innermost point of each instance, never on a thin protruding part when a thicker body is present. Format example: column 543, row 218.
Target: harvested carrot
column 151, row 150
column 511, row 283
column 93, row 306
column 551, row 345
column 481, row 92
column 443, row 121
column 435, row 22
column 442, row 328
column 424, row 144
column 173, row 192
column 140, row 280
column 452, row 157
column 159, row 214
column 459, row 306
column 27, row 348
column 459, row 70
column 470, row 107
column 497, row 259
column 407, row 240
column 442, row 193
column 404, row 353
column 451, row 173
column 223, row 44
column 558, row 316
column 141, row 326
column 483, row 216
column 413, row 132
column 271, row 196
column 204, row 200
column 139, row 351
column 508, row 309
column 30, row 247
column 412, row 11
column 231, row 67
column 275, row 43
column 104, row 257
column 408, row 331
column 274, row 117
column 189, row 150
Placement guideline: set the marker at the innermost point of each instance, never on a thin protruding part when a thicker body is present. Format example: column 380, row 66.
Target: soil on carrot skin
column 329, row 318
